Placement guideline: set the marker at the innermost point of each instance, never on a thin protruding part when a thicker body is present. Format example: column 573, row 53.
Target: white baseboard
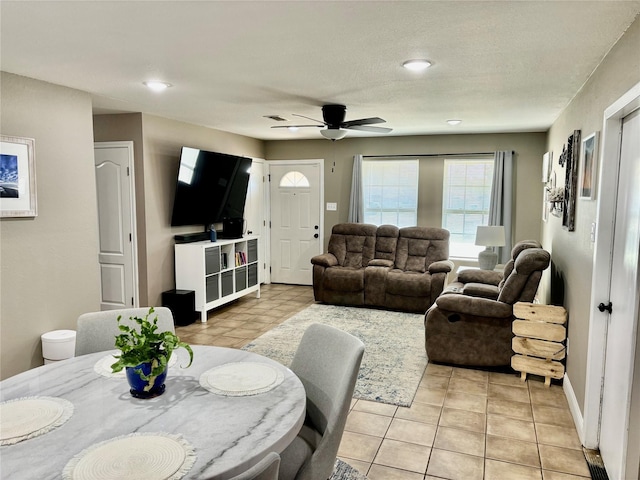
column 574, row 407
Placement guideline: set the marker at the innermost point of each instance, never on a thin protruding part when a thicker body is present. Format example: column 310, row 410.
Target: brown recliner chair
column 477, row 331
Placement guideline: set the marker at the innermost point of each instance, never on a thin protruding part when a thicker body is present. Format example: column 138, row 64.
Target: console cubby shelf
column 218, row 272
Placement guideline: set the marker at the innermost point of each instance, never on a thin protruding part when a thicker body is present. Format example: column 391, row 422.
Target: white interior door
column 623, row 321
column 255, row 212
column 296, row 228
column 116, row 214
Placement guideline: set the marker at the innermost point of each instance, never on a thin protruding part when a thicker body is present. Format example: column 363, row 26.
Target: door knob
column 605, row 308
column 315, row 236
column 316, row 227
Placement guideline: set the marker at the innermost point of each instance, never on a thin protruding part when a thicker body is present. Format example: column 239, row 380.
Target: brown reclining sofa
column 386, row 267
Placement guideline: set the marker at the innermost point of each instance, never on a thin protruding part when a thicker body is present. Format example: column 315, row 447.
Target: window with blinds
column 466, row 201
column 390, row 191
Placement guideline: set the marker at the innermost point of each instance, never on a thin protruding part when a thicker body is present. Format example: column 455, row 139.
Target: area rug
column 394, row 359
column 344, row 471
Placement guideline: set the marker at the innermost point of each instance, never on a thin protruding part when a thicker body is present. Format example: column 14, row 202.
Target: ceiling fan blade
column 308, row 118
column 363, row 121
column 366, row 128
column 297, row 126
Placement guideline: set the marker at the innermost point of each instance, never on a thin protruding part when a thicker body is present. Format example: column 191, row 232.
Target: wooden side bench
column 540, row 340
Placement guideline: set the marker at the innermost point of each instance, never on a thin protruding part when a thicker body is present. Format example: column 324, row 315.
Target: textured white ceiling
column 500, row 66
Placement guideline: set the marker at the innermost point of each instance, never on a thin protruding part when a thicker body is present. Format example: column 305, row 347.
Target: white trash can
column 58, row 345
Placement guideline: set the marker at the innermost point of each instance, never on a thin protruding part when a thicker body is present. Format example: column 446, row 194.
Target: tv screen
column 211, row 186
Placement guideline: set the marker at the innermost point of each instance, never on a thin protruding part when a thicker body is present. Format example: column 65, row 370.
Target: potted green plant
column 145, row 354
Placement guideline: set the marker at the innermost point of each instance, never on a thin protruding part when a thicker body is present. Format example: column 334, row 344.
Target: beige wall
column 528, row 147
column 572, row 252
column 163, row 140
column 49, row 264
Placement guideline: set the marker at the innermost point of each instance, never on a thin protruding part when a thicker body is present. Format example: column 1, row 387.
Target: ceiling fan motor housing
column 334, row 115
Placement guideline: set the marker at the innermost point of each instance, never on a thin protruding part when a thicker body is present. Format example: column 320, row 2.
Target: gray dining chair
column 96, row 331
column 327, row 362
column 266, row 469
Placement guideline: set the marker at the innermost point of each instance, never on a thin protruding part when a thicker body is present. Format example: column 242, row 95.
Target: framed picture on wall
column 547, row 161
column 589, row 155
column 17, row 177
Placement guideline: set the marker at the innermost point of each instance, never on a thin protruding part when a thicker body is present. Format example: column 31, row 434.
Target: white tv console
column 218, row 272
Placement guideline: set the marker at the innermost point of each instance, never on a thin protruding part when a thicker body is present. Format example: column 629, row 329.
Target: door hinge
column 128, row 173
column 130, row 238
column 132, row 301
column 269, row 177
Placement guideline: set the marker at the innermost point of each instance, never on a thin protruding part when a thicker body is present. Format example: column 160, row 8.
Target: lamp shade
column 492, row 236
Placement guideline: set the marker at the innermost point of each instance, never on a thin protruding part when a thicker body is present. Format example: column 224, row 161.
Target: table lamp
column 492, row 236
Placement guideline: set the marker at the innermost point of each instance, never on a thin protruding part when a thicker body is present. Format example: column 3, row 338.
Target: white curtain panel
column 500, row 211
column 356, row 208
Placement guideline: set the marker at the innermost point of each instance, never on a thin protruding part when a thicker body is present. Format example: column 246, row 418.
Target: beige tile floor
column 463, row 424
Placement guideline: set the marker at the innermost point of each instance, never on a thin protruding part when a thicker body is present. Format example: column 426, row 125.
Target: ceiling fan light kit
column 333, row 133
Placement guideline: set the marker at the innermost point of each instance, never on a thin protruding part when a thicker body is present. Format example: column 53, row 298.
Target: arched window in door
column 294, row 179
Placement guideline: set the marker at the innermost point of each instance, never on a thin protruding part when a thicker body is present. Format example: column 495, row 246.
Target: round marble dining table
column 229, row 433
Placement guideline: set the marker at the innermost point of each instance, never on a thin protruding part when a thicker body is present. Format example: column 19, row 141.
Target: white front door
column 623, row 321
column 296, row 230
column 116, row 214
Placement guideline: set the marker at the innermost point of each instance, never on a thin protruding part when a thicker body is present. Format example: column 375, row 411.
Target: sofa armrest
column 480, row 276
column 480, row 307
column 481, row 290
column 325, row 260
column 380, row 262
column 442, row 266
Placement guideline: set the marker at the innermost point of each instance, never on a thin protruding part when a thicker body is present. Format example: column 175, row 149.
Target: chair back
column 266, row 469
column 352, row 244
column 419, row 247
column 522, row 283
column 96, row 331
column 327, row 362
column 515, row 251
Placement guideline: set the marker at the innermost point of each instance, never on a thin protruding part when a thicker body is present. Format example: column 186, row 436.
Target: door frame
column 269, row 163
column 602, row 264
column 132, row 194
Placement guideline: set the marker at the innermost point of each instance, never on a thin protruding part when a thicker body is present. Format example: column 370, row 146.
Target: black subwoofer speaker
column 182, row 304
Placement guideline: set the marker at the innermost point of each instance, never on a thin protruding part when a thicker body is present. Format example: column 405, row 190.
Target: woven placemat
column 138, row 456
column 29, row 417
column 103, row 366
column 241, row 379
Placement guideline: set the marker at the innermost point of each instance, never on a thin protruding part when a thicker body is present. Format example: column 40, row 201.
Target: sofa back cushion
column 515, row 251
column 521, row 285
column 352, row 244
column 386, row 242
column 419, row 247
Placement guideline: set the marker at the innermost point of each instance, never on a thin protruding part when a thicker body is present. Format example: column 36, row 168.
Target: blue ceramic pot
column 141, row 388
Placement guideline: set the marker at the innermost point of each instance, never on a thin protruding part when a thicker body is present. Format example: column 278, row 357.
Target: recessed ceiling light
column 454, row 122
column 157, row 86
column 416, row 65
column 293, row 129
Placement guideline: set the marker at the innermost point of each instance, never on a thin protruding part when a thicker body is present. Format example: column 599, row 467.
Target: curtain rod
column 433, row 155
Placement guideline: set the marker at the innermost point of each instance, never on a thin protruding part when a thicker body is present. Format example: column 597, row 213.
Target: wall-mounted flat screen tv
column 210, row 187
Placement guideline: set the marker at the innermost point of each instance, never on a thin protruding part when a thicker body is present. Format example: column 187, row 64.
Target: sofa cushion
column 407, row 283
column 352, row 244
column 344, row 279
column 419, row 247
column 386, row 242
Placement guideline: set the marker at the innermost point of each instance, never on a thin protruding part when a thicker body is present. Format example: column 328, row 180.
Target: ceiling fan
column 333, row 119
